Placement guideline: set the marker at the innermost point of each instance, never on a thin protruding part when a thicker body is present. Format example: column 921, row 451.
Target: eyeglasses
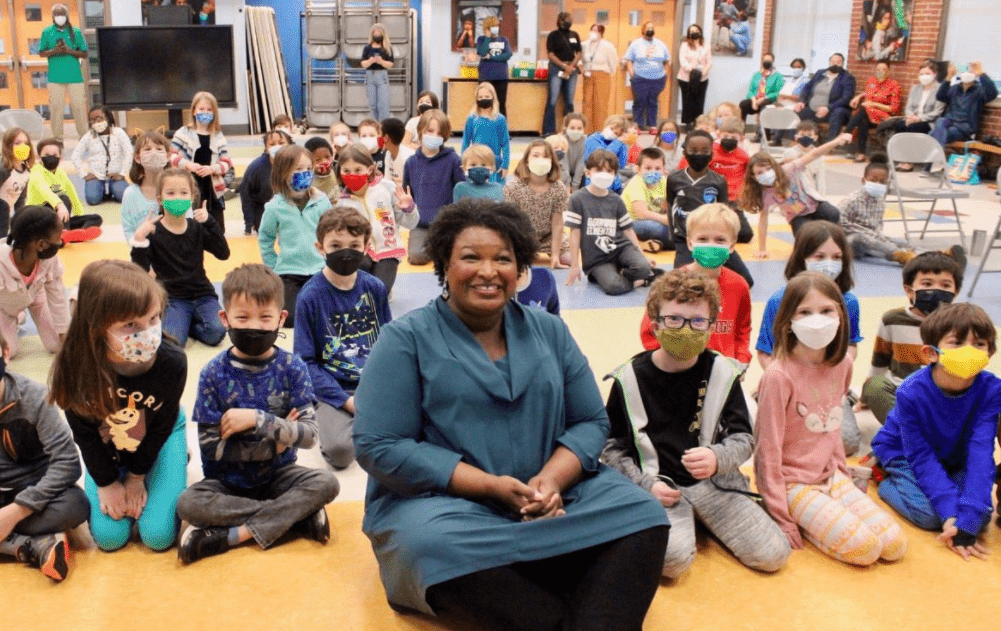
column 676, row 322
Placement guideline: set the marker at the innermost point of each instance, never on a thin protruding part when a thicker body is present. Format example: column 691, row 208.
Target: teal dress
column 430, row 398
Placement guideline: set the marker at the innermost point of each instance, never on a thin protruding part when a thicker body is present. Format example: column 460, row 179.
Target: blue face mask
column 652, row 177
column 669, row 137
column 875, row 189
column 302, row 180
column 478, row 175
column 205, row 118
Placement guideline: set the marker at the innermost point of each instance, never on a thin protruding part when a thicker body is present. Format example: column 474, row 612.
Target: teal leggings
column 158, row 523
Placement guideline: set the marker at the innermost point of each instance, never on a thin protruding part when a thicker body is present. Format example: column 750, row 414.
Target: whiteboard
column 971, row 34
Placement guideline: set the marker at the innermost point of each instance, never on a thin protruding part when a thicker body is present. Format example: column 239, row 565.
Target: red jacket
column 730, row 164
column 732, row 336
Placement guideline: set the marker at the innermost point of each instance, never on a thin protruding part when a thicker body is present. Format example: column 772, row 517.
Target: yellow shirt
column 637, row 191
column 45, row 187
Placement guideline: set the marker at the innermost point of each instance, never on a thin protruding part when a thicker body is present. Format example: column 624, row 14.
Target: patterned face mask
column 141, row 346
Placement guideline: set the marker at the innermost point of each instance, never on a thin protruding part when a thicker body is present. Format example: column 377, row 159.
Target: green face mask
column 683, row 343
column 710, row 256
column 177, row 207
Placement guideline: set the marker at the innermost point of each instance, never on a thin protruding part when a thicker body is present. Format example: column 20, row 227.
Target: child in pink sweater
column 800, row 459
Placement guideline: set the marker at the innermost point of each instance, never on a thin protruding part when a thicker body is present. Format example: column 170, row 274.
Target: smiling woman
column 487, row 498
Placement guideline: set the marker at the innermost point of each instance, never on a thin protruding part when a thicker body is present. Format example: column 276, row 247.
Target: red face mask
column 322, row 168
column 355, row 181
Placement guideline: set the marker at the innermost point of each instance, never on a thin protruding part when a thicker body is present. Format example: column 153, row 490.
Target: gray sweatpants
column 64, row 512
column 268, row 511
column 336, row 444
column 873, row 244
column 740, row 525
column 617, row 275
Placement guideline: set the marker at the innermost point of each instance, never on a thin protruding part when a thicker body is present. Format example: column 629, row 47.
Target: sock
column 234, row 536
column 10, row 545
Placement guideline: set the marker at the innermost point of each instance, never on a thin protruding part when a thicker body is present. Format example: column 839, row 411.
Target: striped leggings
column 845, row 523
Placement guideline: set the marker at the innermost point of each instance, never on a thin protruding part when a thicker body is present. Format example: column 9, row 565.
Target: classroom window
column 33, row 12
column 40, row 79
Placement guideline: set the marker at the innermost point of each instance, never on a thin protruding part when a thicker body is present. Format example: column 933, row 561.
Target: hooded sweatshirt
column 431, row 181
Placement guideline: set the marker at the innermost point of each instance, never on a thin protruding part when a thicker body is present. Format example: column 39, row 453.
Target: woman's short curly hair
column 504, row 218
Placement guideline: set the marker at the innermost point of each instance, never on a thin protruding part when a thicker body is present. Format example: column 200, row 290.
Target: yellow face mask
column 22, row 151
column 964, row 362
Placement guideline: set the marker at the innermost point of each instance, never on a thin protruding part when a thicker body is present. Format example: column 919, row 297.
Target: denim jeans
column 648, row 229
column 96, row 191
column 558, row 85
column 377, row 88
column 901, row 491
column 945, row 132
column 198, row 318
column 268, row 511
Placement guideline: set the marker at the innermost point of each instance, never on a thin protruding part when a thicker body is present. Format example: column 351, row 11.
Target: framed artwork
column 734, row 22
column 468, row 16
column 885, row 30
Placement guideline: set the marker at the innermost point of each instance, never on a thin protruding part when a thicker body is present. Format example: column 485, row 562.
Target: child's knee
column 110, row 534
column 768, row 556
column 159, row 534
column 325, row 485
column 863, row 549
column 677, row 561
column 418, row 258
column 894, row 544
column 339, row 454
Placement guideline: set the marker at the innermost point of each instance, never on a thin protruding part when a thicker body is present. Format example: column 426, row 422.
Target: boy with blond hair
column 479, row 164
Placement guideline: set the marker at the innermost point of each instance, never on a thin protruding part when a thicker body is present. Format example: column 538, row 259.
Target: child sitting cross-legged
column 937, row 447
column 681, row 429
column 862, row 216
column 253, row 409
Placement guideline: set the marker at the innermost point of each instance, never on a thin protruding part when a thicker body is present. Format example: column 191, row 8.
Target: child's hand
column 700, row 462
column 795, row 539
column 761, row 254
column 237, row 420
column 554, row 262
column 574, row 274
column 112, row 500
column 147, row 228
column 202, row 214
column 135, row 496
column 63, row 212
column 204, row 170
column 293, row 415
column 653, row 262
column 192, row 166
column 89, row 177
column 403, row 200
column 664, row 494
column 844, row 139
column 949, row 530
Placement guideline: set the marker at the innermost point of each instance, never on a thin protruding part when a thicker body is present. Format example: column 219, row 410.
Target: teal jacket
column 295, row 232
column 773, row 85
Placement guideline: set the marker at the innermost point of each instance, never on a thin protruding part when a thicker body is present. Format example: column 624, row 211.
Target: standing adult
column 377, row 59
column 494, row 51
column 564, row 51
column 695, row 59
column 964, row 102
column 766, row 84
column 600, row 63
column 880, row 101
column 827, row 97
column 487, row 499
column 64, row 46
column 647, row 60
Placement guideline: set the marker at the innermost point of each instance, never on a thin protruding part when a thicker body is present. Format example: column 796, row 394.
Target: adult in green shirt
column 64, row 46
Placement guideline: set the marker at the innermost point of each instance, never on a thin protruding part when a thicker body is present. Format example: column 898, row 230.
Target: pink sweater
column 798, row 430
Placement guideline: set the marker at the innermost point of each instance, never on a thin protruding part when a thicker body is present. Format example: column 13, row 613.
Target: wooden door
column 623, row 20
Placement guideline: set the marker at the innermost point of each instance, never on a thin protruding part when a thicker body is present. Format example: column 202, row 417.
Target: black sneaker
column 198, row 543
column 655, row 273
column 316, row 526
column 49, row 553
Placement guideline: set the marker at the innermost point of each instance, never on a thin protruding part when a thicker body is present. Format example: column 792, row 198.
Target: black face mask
column 345, row 262
column 564, row 26
column 927, row 300
column 253, row 342
column 423, row 107
column 50, row 251
column 377, row 39
column 649, row 33
column 698, row 161
column 806, row 141
column 766, row 64
column 694, row 35
column 834, row 69
column 729, row 144
column 50, row 162
column 484, row 103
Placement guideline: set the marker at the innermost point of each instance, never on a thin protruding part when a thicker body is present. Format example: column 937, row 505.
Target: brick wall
column 766, row 20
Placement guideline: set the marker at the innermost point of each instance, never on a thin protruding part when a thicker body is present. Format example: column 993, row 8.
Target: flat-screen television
column 164, row 66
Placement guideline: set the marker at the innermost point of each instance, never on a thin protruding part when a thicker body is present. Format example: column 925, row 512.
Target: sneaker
column 49, row 553
column 316, row 526
column 80, row 235
column 656, row 273
column 959, row 254
column 902, row 256
column 198, row 543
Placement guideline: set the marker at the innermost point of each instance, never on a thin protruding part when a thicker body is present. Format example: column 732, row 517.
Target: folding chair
column 28, row 120
column 918, row 149
column 777, row 119
column 994, row 245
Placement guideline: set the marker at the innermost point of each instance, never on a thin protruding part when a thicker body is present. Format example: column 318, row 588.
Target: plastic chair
column 28, row 120
column 777, row 119
column 922, row 149
column 994, row 245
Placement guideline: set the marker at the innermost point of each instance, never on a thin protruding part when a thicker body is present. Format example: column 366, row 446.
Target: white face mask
column 574, row 135
column 797, row 72
column 340, row 140
column 141, row 346
column 593, row 36
column 875, row 189
column 60, row 20
column 370, row 143
column 767, row 178
column 100, row 127
column 827, row 267
column 540, row 166
column 494, row 30
column 602, row 179
column 608, row 134
column 967, row 77
column 926, row 79
column 816, row 331
column 273, row 150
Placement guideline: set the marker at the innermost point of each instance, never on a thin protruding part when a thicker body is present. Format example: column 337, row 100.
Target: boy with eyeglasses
column 681, row 429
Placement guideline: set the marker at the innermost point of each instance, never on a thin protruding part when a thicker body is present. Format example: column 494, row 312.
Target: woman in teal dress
column 480, row 424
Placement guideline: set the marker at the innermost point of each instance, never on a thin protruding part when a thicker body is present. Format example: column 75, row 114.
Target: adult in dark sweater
column 964, row 103
column 255, row 188
column 494, row 51
column 827, row 96
column 564, row 50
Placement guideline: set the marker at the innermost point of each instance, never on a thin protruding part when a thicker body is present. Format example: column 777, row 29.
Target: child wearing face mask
column 426, row 100
column 102, row 156
column 385, row 205
column 342, row 309
column 799, row 463
column 807, row 134
column 173, row 246
column 936, row 451
column 397, row 153
column 692, row 430
column 608, row 139
column 862, row 216
column 255, row 188
column 139, row 203
column 667, row 143
column 291, row 216
column 120, row 382
column 430, row 176
column 340, row 137
column 32, row 278
column 478, row 163
column 17, row 156
column 200, row 147
column 49, row 185
column 787, row 188
column 559, row 144
column 646, row 198
column 260, row 396
column 574, row 125
column 930, row 279
column 487, row 126
column 537, row 190
column 370, row 135
column 323, row 167
column 820, row 246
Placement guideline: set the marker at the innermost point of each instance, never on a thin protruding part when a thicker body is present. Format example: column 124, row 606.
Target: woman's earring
column 444, row 291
